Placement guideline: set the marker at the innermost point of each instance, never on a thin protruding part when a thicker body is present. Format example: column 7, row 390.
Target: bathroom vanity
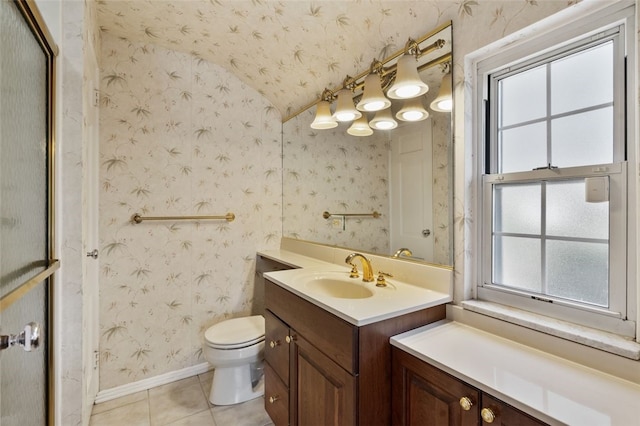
column 425, row 395
column 450, row 373
column 328, row 359
column 319, row 369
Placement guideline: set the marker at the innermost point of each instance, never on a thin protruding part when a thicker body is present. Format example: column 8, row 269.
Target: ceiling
column 289, row 50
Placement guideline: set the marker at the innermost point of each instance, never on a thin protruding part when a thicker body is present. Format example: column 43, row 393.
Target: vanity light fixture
column 412, row 110
column 383, row 120
column 360, row 127
column 373, row 98
column 345, row 109
column 444, row 101
column 394, row 77
column 324, row 119
column 408, row 83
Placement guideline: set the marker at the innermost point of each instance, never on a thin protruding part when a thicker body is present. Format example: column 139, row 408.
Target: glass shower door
column 25, row 215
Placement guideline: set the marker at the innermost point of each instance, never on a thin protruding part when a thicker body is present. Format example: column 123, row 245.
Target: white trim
column 604, row 341
column 570, row 21
column 151, row 382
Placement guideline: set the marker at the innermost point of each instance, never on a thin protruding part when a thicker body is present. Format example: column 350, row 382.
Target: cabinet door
column 495, row 412
column 424, row 395
column 322, row 392
column 276, row 346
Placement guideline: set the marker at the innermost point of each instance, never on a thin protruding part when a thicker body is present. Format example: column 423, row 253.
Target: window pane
column 583, row 139
column 569, row 215
column 583, row 79
column 578, row 271
column 517, row 208
column 523, row 148
column 516, row 262
column 523, row 97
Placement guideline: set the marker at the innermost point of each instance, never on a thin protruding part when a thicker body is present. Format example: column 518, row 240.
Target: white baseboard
column 151, row 382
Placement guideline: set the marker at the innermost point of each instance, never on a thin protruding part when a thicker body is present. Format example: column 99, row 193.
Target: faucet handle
column 381, row 281
column 354, row 271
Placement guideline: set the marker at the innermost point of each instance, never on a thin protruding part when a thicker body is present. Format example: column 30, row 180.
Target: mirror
column 404, row 175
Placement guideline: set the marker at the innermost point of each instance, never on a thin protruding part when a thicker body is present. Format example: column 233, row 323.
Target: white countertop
column 293, row 259
column 398, row 298
column 550, row 388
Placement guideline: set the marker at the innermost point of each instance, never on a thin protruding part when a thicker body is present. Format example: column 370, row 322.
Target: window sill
column 601, row 340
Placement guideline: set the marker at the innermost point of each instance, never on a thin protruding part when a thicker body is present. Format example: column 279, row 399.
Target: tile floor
column 181, row 403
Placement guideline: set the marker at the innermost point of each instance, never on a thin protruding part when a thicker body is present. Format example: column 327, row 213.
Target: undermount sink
column 342, row 288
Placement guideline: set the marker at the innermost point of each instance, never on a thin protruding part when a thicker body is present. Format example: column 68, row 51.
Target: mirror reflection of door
column 26, row 176
column 411, row 189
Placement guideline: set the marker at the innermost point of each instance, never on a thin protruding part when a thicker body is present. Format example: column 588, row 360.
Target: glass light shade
column 373, row 98
column 444, row 101
column 323, row 119
column 408, row 83
column 383, row 120
column 345, row 110
column 360, row 127
column 412, row 110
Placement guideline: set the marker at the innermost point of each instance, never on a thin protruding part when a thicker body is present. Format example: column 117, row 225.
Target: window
column 554, row 188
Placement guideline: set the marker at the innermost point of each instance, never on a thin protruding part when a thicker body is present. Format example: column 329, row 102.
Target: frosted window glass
column 569, row 215
column 523, row 96
column 517, row 208
column 583, row 79
column 578, row 271
column 583, row 139
column 523, row 148
column 516, row 262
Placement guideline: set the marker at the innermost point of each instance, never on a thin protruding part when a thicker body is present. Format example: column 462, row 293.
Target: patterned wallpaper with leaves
column 179, row 136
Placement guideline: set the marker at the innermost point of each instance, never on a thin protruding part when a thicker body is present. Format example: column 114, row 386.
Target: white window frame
column 622, row 316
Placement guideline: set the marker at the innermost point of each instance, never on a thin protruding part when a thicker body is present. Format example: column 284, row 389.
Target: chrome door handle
column 29, row 338
column 93, row 253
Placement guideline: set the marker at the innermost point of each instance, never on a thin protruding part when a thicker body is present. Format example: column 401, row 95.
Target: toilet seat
column 235, row 333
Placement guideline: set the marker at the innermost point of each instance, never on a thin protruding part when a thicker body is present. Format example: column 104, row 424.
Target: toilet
column 235, row 348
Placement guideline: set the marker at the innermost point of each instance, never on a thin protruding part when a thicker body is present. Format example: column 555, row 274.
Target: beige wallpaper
column 179, row 136
column 290, row 50
column 182, row 136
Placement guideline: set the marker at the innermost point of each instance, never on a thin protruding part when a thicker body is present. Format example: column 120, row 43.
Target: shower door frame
column 37, row 25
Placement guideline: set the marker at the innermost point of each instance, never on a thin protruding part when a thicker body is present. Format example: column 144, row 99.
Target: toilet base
column 233, row 385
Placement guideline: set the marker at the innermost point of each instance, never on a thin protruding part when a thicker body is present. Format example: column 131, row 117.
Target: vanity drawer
column 333, row 336
column 276, row 397
column 276, row 347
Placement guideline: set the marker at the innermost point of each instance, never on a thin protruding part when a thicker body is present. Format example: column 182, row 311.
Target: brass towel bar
column 136, row 218
column 327, row 215
column 9, row 298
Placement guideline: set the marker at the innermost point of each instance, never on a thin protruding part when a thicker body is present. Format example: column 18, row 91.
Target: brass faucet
column 402, row 251
column 367, row 270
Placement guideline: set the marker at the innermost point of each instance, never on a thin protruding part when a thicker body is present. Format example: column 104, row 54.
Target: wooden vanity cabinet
column 338, row 373
column 425, row 395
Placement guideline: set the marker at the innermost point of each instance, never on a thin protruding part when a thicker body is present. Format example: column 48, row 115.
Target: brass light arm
column 352, row 82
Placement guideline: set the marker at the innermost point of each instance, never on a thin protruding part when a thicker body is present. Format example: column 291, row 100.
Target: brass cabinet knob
column 487, row 415
column 289, row 339
column 273, row 399
column 274, row 343
column 466, row 403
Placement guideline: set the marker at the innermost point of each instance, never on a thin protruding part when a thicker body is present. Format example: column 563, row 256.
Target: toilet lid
column 236, row 331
